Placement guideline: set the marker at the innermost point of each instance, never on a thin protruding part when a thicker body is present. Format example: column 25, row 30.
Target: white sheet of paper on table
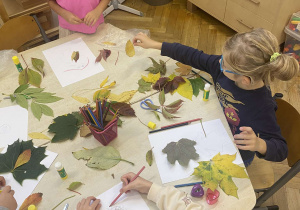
column 28, row 185
column 68, row 71
column 13, row 125
column 130, row 201
column 217, row 140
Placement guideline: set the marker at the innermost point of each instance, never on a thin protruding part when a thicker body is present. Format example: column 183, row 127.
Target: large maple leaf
column 29, row 170
column 219, row 171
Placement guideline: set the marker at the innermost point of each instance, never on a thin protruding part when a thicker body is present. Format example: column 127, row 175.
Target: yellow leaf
column 32, row 199
column 36, row 135
column 172, row 76
column 129, row 49
column 85, row 131
column 185, row 89
column 23, row 158
column 103, row 82
column 100, row 94
column 110, row 85
column 109, row 43
column 81, row 99
column 123, row 97
column 151, row 77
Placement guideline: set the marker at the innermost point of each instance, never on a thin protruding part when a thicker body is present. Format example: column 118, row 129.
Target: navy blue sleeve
column 269, row 131
column 192, row 57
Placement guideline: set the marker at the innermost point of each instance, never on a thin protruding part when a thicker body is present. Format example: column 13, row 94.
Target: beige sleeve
column 171, row 198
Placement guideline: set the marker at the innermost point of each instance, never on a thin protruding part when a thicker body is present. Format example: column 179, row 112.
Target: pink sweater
column 79, row 8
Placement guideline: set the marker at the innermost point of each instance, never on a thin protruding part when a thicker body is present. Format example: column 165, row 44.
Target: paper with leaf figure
column 28, row 185
column 68, row 70
column 217, row 140
column 10, row 128
column 129, row 201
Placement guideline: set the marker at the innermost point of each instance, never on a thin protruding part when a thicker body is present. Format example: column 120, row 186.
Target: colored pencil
column 131, row 181
column 106, row 112
column 174, row 126
column 188, row 184
column 112, row 120
column 202, row 77
column 95, row 127
column 100, row 112
column 87, row 114
column 84, row 115
column 189, row 121
column 93, row 116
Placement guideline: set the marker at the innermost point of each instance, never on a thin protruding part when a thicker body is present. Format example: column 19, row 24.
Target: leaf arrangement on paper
column 100, row 157
column 183, row 151
column 22, row 159
column 219, row 171
column 38, row 99
column 157, row 67
column 75, row 56
column 32, row 199
column 30, row 76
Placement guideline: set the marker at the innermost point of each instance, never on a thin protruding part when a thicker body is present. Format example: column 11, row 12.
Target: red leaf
column 124, row 109
column 103, row 54
column 160, row 83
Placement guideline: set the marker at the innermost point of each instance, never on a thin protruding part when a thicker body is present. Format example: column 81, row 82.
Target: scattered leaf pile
column 182, row 151
column 219, row 171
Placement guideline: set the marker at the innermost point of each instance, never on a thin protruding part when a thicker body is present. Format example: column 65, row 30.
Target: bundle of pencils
column 96, row 120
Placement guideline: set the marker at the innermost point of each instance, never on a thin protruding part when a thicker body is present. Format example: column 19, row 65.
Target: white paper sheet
column 68, row 71
column 217, row 140
column 28, row 185
column 130, row 201
column 13, row 125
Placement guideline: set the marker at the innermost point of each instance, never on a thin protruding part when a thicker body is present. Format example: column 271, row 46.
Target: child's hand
column 144, row 41
column 7, row 198
column 139, row 184
column 2, row 182
column 247, row 140
column 91, row 18
column 71, row 18
column 84, row 204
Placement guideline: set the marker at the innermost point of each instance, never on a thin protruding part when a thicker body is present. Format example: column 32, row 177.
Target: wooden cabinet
column 245, row 15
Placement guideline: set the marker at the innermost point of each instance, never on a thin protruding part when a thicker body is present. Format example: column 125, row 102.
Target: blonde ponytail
column 250, row 54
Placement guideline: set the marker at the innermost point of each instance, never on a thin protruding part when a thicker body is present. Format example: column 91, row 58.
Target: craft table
column 132, row 141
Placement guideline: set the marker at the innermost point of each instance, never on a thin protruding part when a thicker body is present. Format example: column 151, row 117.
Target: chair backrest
column 17, row 31
column 288, row 119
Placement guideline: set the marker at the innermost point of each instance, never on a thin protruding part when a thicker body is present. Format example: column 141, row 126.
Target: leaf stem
column 24, row 61
column 202, row 127
column 63, row 201
column 75, row 191
column 127, row 161
column 142, row 122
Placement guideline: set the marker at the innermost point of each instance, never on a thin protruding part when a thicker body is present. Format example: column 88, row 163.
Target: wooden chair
column 261, row 172
column 17, row 31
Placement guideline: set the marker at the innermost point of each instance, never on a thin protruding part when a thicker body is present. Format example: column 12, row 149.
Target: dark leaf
column 197, row 84
column 167, row 115
column 124, row 109
column 172, row 110
column 175, row 104
column 160, row 83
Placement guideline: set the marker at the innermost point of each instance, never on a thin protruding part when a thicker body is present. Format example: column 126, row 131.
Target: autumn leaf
column 109, row 43
column 84, row 131
column 36, row 135
column 23, row 158
column 124, row 109
column 144, row 86
column 175, row 104
column 104, row 82
column 75, row 56
column 123, row 97
column 81, row 99
column 74, row 185
column 38, row 64
column 157, row 67
column 149, row 157
column 129, row 49
column 160, row 83
column 110, row 85
column 151, row 77
column 156, row 115
column 219, row 171
column 182, row 151
column 185, row 89
column 32, row 199
column 168, row 84
column 101, row 94
column 197, row 84
column 167, row 115
column 183, row 69
column 100, row 157
column 103, row 54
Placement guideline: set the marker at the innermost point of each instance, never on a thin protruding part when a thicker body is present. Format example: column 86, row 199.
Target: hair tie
column 274, row 56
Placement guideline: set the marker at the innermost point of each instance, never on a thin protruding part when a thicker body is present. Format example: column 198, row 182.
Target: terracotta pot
column 157, row 2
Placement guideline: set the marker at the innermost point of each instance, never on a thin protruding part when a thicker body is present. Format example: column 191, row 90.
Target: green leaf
column 182, row 151
column 38, row 64
column 21, row 88
column 32, row 90
column 47, row 99
column 65, row 127
column 156, row 115
column 157, row 67
column 100, row 157
column 162, row 97
column 12, row 97
column 167, row 115
column 21, row 100
column 144, row 86
column 197, row 84
column 34, row 78
column 31, row 170
column 152, row 106
column 79, row 118
column 36, row 110
column 149, row 157
column 74, row 185
column 46, row 110
column 23, row 77
column 175, row 103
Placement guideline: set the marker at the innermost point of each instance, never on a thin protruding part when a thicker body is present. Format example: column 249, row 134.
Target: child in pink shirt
column 78, row 15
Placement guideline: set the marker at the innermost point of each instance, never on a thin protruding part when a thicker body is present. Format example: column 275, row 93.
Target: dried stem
column 144, row 97
column 24, row 61
column 142, row 122
column 202, row 127
column 63, row 201
column 117, row 59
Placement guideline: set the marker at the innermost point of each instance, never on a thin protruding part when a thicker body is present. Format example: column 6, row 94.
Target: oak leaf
column 219, row 171
column 182, row 151
column 129, row 49
column 183, row 69
column 32, row 199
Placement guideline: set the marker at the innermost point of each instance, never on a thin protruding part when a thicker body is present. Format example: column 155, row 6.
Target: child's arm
column 65, row 14
column 164, row 197
column 144, row 41
column 86, row 204
column 91, row 17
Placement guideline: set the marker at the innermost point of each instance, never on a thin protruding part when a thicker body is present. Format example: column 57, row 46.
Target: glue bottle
column 61, row 170
column 32, row 207
column 17, row 63
column 206, row 92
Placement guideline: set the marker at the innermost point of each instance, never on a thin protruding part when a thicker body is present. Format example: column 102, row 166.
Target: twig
column 142, row 122
column 63, row 201
column 143, row 98
column 117, row 59
column 74, row 191
column 202, row 128
column 24, row 61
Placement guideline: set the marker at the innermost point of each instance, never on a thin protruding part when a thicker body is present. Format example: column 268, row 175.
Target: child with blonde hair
column 242, row 75
column 78, row 16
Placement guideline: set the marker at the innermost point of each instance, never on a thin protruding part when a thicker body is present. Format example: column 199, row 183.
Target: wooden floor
column 173, row 23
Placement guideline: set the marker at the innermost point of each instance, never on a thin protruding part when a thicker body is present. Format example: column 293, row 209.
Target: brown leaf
column 75, row 56
column 31, row 199
column 103, row 54
column 84, row 131
column 167, row 115
column 129, row 49
column 183, row 69
column 175, row 104
column 23, row 158
column 160, row 83
column 173, row 109
column 124, row 109
column 169, row 86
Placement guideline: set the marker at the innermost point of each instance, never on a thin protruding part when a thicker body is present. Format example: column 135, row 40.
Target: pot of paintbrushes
column 102, row 122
